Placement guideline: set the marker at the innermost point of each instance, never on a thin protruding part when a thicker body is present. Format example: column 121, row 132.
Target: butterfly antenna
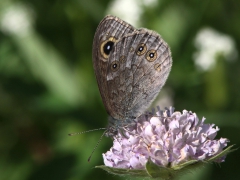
column 100, row 139
column 73, row 134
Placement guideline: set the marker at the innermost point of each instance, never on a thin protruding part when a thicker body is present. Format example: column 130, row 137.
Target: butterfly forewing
column 110, row 29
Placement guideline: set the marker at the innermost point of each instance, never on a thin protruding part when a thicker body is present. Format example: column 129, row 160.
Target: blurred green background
column 48, row 88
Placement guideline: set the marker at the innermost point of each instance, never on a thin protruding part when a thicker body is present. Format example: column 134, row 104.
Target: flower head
column 168, row 139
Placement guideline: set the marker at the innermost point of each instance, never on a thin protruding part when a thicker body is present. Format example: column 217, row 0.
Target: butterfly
column 131, row 66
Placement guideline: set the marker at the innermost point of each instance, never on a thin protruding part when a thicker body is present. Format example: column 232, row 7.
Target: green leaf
column 156, row 171
column 125, row 172
column 185, row 164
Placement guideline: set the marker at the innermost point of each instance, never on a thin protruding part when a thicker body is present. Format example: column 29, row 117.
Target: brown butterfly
column 131, row 66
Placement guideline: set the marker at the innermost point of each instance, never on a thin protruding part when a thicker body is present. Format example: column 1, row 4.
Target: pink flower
column 167, row 139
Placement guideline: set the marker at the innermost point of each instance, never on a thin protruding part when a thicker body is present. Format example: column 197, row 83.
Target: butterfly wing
column 138, row 67
column 131, row 66
column 110, row 30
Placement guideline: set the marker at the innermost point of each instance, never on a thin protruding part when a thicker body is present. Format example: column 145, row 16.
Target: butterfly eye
column 151, row 55
column 115, row 66
column 107, row 46
column 141, row 49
